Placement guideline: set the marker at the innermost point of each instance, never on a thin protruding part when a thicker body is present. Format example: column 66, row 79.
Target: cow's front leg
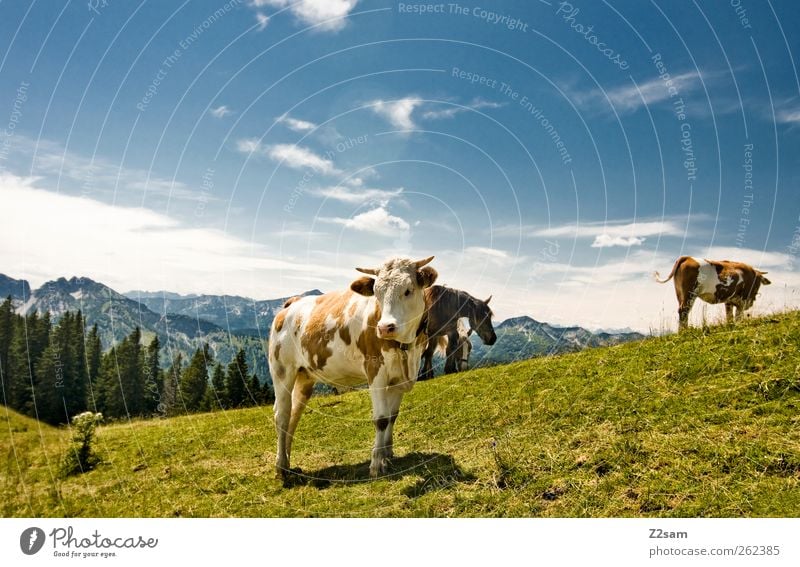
column 385, row 404
column 728, row 313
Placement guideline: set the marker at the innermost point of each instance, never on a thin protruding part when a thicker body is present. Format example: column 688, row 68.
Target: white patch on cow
column 707, row 282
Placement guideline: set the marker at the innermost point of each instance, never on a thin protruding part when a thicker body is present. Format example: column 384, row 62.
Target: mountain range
column 520, row 338
column 227, row 322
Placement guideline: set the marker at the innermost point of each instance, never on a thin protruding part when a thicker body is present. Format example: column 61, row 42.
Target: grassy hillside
column 702, row 424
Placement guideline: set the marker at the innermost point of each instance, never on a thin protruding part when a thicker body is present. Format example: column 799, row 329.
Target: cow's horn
column 420, row 263
column 762, row 273
column 488, row 299
column 369, row 271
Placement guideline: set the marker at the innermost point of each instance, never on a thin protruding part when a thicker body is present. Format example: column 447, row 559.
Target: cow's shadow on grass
column 437, row 472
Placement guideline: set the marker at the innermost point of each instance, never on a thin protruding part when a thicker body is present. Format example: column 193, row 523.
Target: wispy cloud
column 607, row 241
column 376, row 221
column 451, row 111
column 330, row 15
column 134, row 247
column 397, row 112
column 607, row 234
column 356, row 197
column 220, row 111
column 291, row 155
column 296, row 124
column 263, row 21
column 788, row 116
column 631, row 97
column 97, row 175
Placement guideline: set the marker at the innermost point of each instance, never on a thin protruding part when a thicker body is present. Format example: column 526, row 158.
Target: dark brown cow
column 445, row 307
column 733, row 283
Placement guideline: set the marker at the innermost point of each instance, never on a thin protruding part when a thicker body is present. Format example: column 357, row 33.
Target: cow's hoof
column 380, row 469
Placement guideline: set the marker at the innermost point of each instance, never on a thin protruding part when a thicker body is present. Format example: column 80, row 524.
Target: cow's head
column 750, row 295
column 398, row 287
column 481, row 321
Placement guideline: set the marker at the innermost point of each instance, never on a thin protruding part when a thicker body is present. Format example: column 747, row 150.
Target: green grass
column 702, row 424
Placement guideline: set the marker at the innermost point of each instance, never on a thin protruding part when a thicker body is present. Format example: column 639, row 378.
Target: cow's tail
column 678, row 262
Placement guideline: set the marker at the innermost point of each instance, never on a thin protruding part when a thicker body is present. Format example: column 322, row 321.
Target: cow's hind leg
column 685, row 305
column 728, row 313
column 283, row 382
column 303, row 388
column 427, row 360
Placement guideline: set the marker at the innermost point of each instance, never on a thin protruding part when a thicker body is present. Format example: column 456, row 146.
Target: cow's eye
column 408, row 292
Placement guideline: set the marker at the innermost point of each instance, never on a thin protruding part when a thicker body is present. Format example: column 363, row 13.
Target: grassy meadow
column 702, row 424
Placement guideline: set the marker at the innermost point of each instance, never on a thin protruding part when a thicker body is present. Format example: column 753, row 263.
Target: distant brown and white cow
column 372, row 333
column 733, row 283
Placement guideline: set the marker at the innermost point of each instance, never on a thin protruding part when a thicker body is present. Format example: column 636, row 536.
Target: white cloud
column 298, row 157
column 295, row 124
column 135, row 248
column 757, row 258
column 97, row 175
column 451, row 111
column 607, row 241
column 485, row 251
column 331, row 15
column 630, row 98
column 291, row 155
column 612, row 230
column 397, row 112
column 220, row 111
column 377, row 221
column 788, row 116
column 361, row 196
column 263, row 21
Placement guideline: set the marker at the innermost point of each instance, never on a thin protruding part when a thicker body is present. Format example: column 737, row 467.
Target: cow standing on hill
column 372, row 333
column 733, row 283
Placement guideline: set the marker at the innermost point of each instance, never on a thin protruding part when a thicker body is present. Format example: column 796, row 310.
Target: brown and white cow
column 733, row 283
column 372, row 333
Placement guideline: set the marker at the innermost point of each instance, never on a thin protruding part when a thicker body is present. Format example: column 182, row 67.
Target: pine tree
column 76, row 376
column 216, row 398
column 267, row 394
column 194, row 380
column 255, row 398
column 6, row 337
column 170, row 404
column 236, row 379
column 131, row 361
column 153, row 381
column 94, row 351
column 108, row 395
column 31, row 338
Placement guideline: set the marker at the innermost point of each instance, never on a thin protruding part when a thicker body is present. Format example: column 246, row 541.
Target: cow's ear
column 426, row 276
column 364, row 286
column 764, row 281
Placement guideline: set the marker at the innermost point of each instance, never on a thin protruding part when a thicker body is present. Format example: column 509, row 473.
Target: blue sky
column 551, row 154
